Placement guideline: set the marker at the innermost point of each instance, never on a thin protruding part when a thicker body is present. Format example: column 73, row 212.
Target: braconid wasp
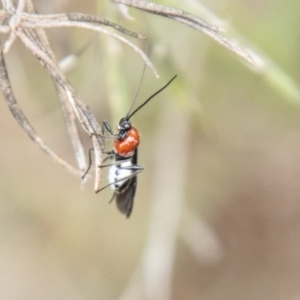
column 123, row 171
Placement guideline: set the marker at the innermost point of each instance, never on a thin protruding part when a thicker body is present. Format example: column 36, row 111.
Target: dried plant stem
column 8, row 5
column 81, row 110
column 66, row 107
column 22, row 120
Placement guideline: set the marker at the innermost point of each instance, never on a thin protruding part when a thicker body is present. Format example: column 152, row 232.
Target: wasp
column 123, row 171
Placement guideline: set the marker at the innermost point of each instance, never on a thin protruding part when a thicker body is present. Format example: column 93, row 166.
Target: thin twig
column 79, row 17
column 72, row 128
column 48, row 24
column 14, row 22
column 169, row 12
column 190, row 20
column 8, row 5
column 98, row 143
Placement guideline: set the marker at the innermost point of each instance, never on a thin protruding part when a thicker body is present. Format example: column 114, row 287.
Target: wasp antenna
column 137, row 91
column 156, row 93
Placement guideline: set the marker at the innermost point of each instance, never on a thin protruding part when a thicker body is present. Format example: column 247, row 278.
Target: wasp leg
column 106, row 126
column 133, row 168
column 90, row 163
column 114, row 163
column 112, row 198
column 130, row 176
column 109, row 153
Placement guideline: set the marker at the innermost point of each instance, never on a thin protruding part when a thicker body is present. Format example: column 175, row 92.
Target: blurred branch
column 153, row 277
column 7, row 5
column 168, row 197
column 14, row 22
column 201, row 238
column 275, row 75
column 269, row 69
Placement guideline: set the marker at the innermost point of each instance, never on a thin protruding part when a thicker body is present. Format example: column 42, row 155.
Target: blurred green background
column 217, row 209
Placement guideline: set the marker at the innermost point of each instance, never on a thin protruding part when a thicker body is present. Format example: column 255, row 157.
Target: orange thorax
column 126, row 146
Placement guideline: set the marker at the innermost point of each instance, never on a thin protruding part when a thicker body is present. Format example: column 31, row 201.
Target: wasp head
column 124, row 126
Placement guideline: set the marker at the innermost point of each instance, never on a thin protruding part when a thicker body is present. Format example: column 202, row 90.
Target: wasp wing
column 126, row 192
column 125, row 198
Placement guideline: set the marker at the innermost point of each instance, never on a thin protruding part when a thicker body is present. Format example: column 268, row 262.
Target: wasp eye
column 127, row 126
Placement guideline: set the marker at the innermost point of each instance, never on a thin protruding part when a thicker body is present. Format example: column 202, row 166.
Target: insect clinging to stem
column 123, row 171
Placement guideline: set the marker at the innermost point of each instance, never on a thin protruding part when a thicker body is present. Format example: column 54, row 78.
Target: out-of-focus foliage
column 223, row 139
